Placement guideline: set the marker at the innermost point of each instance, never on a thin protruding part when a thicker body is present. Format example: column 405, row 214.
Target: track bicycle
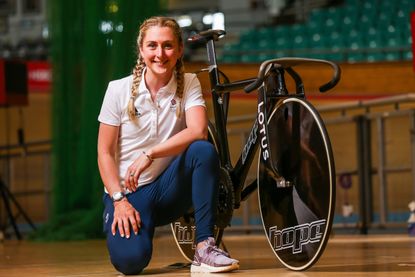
column 296, row 174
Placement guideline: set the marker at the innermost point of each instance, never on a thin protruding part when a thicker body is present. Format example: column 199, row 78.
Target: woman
column 153, row 155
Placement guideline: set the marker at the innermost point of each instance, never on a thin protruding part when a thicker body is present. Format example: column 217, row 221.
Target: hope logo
column 297, row 236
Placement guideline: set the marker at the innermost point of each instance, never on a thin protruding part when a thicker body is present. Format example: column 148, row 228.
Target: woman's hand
column 125, row 215
column 134, row 171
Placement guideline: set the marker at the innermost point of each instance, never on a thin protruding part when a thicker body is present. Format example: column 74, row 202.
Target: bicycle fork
column 276, row 75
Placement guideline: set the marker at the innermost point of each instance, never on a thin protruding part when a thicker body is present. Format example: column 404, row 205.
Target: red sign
column 39, row 76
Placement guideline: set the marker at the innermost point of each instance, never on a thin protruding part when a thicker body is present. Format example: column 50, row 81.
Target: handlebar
column 288, row 63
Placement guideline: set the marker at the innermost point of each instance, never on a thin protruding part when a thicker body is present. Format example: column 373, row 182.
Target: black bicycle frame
column 259, row 130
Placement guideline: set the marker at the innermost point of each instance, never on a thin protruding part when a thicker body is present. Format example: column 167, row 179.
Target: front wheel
column 297, row 219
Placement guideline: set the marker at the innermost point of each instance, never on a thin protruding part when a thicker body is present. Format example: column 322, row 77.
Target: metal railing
column 393, row 107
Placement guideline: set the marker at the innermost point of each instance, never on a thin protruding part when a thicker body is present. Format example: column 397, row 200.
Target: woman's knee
column 130, row 263
column 203, row 148
column 130, row 257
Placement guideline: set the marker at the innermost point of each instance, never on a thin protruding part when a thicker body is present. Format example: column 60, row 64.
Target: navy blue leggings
column 191, row 179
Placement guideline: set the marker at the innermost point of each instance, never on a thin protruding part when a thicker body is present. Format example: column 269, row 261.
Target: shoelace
column 216, row 251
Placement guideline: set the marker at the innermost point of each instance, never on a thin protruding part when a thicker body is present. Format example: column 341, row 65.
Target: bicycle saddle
column 207, row 35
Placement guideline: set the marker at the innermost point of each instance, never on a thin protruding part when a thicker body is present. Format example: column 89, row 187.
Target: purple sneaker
column 210, row 258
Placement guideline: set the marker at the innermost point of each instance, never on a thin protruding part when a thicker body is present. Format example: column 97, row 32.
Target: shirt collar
column 167, row 89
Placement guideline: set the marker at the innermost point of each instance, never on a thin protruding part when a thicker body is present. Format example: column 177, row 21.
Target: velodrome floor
column 345, row 255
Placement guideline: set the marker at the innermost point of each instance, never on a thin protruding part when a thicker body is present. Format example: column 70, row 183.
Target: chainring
column 226, row 200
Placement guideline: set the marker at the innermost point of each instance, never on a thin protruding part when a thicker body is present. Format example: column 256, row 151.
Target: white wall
column 25, row 26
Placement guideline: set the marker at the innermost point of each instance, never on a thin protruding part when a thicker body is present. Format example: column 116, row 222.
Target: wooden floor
column 345, row 255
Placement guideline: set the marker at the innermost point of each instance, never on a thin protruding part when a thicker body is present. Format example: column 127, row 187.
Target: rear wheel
column 297, row 219
column 184, row 228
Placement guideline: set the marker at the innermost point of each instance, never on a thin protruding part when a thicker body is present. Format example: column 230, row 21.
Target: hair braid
column 180, row 84
column 137, row 74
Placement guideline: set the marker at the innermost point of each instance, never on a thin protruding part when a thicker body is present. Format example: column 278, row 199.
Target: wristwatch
column 117, row 196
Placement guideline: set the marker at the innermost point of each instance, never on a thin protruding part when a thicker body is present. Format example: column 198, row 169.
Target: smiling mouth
column 160, row 62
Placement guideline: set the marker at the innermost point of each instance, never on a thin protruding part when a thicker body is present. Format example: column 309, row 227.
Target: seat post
column 213, row 66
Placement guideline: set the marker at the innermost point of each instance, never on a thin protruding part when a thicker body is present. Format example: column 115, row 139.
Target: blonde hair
column 157, row 21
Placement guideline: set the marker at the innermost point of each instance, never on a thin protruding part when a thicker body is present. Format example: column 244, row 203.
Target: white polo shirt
column 157, row 121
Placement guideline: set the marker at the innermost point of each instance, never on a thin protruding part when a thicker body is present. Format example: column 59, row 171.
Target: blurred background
column 57, row 57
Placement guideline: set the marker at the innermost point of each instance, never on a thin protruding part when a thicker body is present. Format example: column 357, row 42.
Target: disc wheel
column 184, row 228
column 297, row 219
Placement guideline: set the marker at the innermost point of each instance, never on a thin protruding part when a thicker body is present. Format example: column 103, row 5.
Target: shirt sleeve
column 193, row 92
column 110, row 110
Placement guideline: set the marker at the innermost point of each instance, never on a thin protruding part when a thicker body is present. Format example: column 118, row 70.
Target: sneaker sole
column 207, row 268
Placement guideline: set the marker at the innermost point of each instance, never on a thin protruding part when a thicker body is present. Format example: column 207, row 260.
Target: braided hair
column 157, row 21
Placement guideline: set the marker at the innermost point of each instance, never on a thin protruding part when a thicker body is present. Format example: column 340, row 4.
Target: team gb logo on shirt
column 173, row 104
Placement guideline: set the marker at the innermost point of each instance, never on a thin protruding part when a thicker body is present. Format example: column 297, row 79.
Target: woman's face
column 160, row 51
